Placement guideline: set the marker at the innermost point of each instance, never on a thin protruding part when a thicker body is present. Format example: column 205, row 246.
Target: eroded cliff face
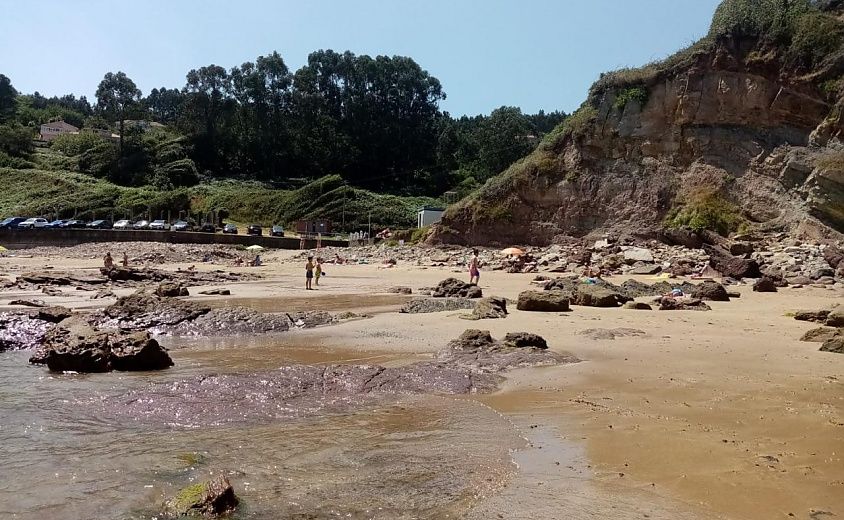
column 731, row 120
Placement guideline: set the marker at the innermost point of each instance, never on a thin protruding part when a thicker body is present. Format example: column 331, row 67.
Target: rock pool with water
column 409, row 456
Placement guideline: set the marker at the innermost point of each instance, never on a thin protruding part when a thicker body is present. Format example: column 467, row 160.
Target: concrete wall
column 25, row 238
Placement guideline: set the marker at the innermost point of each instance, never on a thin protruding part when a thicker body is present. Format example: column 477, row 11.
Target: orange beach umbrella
column 512, row 251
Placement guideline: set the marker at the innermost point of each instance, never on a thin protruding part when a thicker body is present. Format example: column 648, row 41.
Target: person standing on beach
column 125, row 259
column 317, row 271
column 474, row 268
column 309, row 273
column 108, row 261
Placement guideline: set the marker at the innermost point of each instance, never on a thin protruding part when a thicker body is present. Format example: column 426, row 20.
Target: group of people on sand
column 108, row 261
column 313, row 271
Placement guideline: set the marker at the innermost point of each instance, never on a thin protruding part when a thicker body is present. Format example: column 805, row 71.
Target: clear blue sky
column 536, row 54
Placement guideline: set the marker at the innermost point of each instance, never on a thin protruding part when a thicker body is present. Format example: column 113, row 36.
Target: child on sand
column 125, row 259
column 318, row 271
column 474, row 268
column 309, row 273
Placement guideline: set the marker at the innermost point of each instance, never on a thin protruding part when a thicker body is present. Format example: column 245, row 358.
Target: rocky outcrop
column 732, row 115
column 76, row 346
column 677, row 304
column 765, row 284
column 732, row 266
column 171, row 290
column 470, row 363
column 143, row 310
column 821, row 334
column 835, row 345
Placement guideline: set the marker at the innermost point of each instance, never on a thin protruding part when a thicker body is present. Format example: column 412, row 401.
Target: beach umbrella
column 3, row 248
column 512, row 251
column 255, row 248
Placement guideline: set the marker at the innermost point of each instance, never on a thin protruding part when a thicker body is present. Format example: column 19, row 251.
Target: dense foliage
column 374, row 122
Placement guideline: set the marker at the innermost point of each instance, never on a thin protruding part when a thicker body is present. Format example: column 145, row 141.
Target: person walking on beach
column 309, row 273
column 108, row 261
column 474, row 268
column 317, row 271
column 125, row 259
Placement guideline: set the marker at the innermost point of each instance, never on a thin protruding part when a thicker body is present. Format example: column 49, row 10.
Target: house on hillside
column 53, row 129
column 428, row 215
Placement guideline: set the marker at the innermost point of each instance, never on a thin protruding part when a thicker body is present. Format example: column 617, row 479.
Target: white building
column 428, row 215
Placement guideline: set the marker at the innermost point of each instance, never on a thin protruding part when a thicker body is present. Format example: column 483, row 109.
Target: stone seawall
column 26, row 238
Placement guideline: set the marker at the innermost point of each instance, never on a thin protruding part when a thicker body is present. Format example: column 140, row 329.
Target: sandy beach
column 698, row 415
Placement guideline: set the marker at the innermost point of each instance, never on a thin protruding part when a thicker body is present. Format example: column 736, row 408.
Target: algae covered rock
column 208, row 499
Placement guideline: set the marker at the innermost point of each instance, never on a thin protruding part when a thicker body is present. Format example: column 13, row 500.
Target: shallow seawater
column 412, row 457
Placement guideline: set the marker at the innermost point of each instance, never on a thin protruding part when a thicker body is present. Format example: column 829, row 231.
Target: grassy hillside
column 41, row 192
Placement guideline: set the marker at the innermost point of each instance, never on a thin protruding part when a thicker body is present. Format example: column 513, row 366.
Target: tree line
column 374, row 121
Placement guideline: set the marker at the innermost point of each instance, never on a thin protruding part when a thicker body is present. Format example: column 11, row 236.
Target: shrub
column 16, row 140
column 18, row 163
column 706, row 210
column 816, row 36
column 635, row 94
column 76, row 144
column 419, row 234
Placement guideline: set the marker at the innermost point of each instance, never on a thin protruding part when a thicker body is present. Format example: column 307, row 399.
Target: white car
column 33, row 223
column 122, row 224
column 141, row 224
column 159, row 224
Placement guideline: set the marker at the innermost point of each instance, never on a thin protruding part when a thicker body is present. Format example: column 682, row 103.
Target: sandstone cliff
column 746, row 124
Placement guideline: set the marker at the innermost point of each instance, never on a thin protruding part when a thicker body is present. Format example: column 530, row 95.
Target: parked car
column 73, row 224
column 56, row 224
column 141, row 224
column 122, row 224
column 159, row 224
column 208, row 227
column 100, row 224
column 277, row 231
column 230, row 229
column 182, row 225
column 11, row 222
column 35, row 222
column 254, row 229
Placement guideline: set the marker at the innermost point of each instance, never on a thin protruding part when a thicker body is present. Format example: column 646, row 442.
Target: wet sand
column 720, row 414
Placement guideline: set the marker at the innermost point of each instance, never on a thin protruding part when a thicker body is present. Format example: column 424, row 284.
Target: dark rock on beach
column 454, row 288
column 491, row 307
column 543, row 301
column 710, row 291
column 171, row 290
column 835, row 345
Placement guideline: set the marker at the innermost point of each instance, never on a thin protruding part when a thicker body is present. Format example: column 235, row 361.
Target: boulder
column 525, row 340
column 835, row 345
column 171, row 290
column 426, row 305
column 645, row 269
column 638, row 254
column 765, row 284
column 731, row 266
column 543, row 301
column 401, row 290
column 137, row 352
column 54, row 314
column 815, row 316
column 682, row 236
column 638, row 306
column 452, row 287
column 142, row 310
column 835, row 318
column 76, row 346
column 675, row 304
column 489, row 308
column 710, row 291
column 834, row 256
column 741, row 248
column 208, row 499
column 589, row 295
column 821, row 334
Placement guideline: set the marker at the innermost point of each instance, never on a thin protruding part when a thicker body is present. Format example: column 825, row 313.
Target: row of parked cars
column 160, row 225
